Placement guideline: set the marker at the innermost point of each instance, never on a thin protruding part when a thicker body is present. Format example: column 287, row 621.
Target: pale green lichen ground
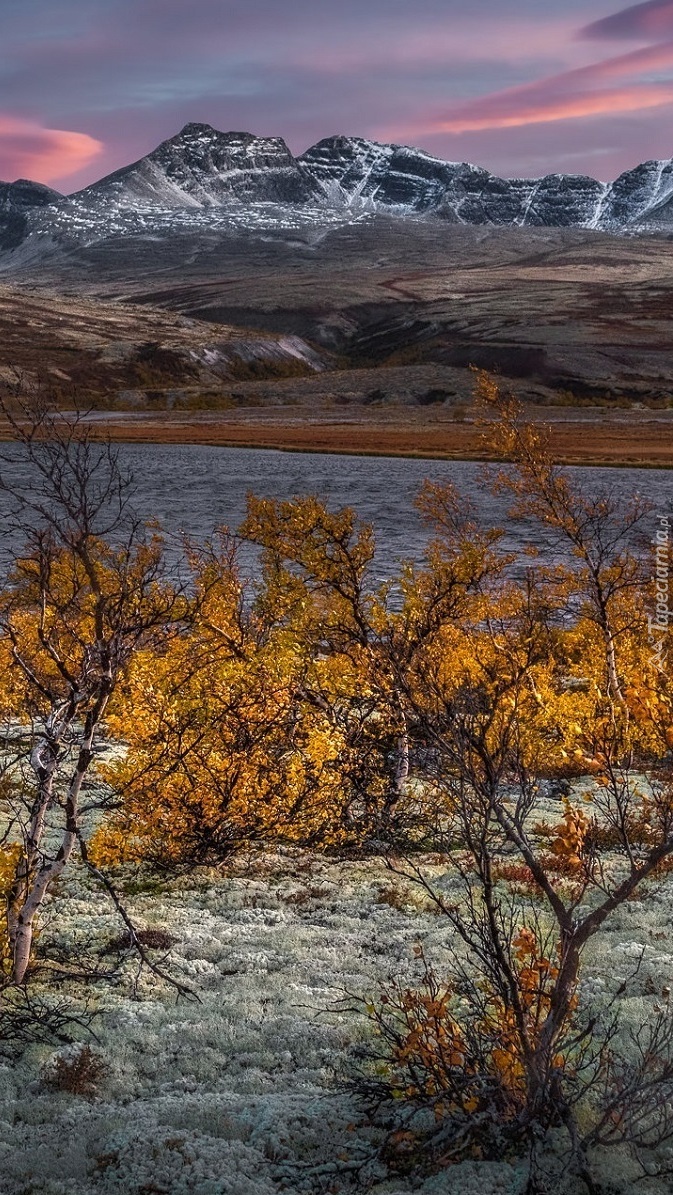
column 243, row 1093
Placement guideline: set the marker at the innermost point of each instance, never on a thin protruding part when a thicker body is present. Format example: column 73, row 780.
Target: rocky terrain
column 17, row 201
column 89, row 351
column 560, row 312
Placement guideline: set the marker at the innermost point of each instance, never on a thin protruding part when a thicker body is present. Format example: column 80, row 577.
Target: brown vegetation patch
column 614, row 438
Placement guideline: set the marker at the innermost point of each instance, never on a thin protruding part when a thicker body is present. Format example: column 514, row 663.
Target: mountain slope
column 105, row 353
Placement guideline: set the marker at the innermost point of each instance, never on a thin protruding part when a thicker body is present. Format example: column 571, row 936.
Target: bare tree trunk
column 87, row 589
column 40, row 875
column 543, row 1097
column 401, row 764
column 43, row 761
column 401, row 772
column 613, row 674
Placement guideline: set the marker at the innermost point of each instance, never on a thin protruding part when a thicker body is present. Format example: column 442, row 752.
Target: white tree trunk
column 41, row 872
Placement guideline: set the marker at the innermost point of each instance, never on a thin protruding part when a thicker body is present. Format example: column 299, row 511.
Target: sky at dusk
column 523, row 87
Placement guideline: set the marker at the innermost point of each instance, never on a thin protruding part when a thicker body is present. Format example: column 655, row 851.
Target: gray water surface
column 195, row 488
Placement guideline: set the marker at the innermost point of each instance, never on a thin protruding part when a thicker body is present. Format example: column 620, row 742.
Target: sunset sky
column 522, row 87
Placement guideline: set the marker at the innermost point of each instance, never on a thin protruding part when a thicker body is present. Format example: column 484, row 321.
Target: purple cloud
column 572, row 94
column 641, row 22
column 130, row 74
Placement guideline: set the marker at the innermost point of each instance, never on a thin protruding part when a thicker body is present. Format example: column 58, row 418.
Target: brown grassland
column 587, row 437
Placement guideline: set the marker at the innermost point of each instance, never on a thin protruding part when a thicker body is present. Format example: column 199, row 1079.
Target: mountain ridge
column 236, row 181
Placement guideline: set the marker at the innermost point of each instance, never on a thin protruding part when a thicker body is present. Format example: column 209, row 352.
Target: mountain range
column 352, row 271
column 205, row 178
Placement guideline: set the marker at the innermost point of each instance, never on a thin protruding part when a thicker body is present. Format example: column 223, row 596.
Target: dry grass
column 613, row 438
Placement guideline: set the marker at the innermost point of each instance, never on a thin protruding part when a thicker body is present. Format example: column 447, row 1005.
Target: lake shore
column 577, row 436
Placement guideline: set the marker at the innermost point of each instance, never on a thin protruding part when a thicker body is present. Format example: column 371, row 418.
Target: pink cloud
column 47, row 155
column 569, row 107
column 572, row 94
column 636, row 62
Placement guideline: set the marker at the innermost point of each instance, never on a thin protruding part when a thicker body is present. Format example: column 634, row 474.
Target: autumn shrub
column 498, row 1053
column 450, row 1074
column 457, row 1050
column 153, row 939
column 393, row 896
column 86, row 587
column 78, row 1070
column 278, row 716
column 518, row 877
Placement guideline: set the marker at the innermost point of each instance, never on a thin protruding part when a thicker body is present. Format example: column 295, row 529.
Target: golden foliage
column 570, row 836
column 10, row 855
column 286, row 708
column 460, row 1058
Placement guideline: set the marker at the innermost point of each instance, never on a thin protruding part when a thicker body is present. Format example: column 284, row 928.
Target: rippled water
column 195, row 488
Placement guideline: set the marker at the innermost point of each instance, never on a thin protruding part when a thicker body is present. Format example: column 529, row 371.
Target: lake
column 194, row 488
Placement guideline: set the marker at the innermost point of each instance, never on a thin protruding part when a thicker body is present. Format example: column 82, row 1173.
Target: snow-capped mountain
column 203, row 178
column 394, row 176
column 203, row 168
column 397, row 177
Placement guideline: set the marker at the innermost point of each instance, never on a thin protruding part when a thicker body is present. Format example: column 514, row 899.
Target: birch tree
column 82, row 594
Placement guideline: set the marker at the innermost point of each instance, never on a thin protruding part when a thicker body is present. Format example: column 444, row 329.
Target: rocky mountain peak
column 218, row 180
column 194, row 129
column 201, row 167
column 17, row 200
column 202, row 140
